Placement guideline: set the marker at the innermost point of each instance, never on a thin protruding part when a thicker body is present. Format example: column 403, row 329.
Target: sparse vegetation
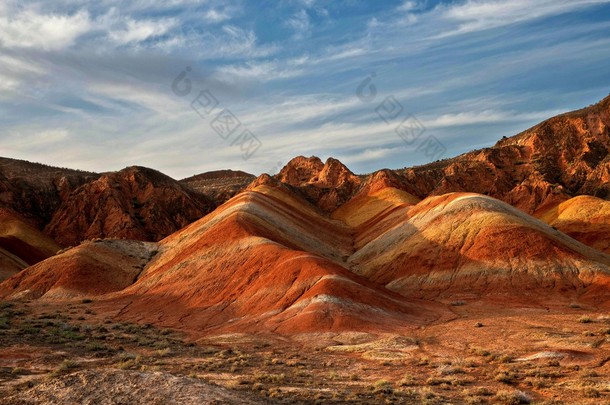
column 383, row 386
column 505, row 377
column 585, row 319
column 312, row 376
column 512, row 398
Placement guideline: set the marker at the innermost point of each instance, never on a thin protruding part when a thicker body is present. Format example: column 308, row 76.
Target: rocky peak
column 134, row 203
column 326, row 185
column 335, row 174
column 301, row 170
column 264, row 180
column 382, row 179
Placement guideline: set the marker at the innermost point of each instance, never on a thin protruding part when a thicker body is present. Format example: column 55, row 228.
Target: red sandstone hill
column 21, row 244
column 584, row 218
column 564, row 156
column 66, row 203
column 328, row 185
column 92, row 268
column 471, row 245
column 267, row 260
column 134, row 203
column 317, row 248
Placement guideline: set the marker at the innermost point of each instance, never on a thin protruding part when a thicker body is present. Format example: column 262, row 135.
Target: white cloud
column 368, row 155
column 408, row 6
column 29, row 29
column 296, row 110
column 216, row 16
column 263, row 71
column 239, row 42
column 477, row 15
column 14, row 71
column 484, row 117
column 140, row 30
column 300, row 24
column 39, row 140
column 137, row 94
column 231, row 42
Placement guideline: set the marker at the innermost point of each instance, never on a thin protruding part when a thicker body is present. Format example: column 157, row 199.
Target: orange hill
column 584, row 218
column 21, row 244
column 267, row 260
column 476, row 246
column 93, row 268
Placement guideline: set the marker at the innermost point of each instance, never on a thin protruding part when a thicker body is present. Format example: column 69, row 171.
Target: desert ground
column 75, row 353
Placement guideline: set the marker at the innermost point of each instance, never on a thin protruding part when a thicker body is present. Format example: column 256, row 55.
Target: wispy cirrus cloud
column 136, row 31
column 476, row 15
column 300, row 24
column 470, row 70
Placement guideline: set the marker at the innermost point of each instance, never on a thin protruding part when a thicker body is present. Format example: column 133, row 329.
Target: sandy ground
column 71, row 354
column 110, row 386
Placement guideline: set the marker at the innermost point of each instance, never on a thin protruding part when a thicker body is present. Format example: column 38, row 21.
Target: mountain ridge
column 548, row 164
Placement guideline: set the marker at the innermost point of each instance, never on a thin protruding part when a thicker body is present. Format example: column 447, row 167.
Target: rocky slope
column 475, row 246
column 561, row 157
column 52, row 198
column 328, row 185
column 21, row 244
column 134, row 203
column 265, row 260
column 219, row 185
column 90, row 269
column 34, row 190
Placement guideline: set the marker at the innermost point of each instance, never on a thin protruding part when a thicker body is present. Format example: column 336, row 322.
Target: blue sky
column 88, row 84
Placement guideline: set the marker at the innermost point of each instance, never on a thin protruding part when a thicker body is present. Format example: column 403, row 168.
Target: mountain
column 265, row 259
column 318, row 248
column 219, row 185
column 551, row 162
column 268, row 260
column 560, row 158
column 328, row 185
column 92, row 268
column 71, row 205
column 134, row 203
column 35, row 190
column 474, row 246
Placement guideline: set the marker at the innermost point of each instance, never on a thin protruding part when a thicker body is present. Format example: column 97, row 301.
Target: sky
column 188, row 86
